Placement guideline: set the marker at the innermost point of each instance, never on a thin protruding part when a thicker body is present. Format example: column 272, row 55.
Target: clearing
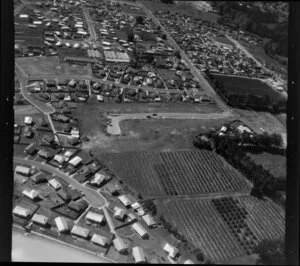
column 50, row 66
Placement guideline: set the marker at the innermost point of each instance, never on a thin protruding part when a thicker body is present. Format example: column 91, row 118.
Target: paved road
column 92, row 196
column 114, row 128
column 196, row 73
column 89, row 21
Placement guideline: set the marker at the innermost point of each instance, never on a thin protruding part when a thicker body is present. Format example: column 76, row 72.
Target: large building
column 111, row 56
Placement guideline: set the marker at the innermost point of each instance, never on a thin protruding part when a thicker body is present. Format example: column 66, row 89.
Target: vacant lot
column 276, row 164
column 219, row 236
column 50, row 66
column 238, row 85
column 175, row 173
column 223, row 40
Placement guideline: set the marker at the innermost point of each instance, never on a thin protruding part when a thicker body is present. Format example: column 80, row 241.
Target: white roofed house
column 31, row 194
column 95, row 217
column 119, row 245
column 119, row 213
column 99, row 240
column 28, row 120
column 124, row 199
column 75, row 162
column 61, row 224
column 137, row 227
column 40, row 219
column 98, row 179
column 80, row 231
column 189, row 262
column 23, row 170
column 138, row 255
column 21, row 212
column 172, row 251
column 59, row 158
column 55, row 184
column 148, row 219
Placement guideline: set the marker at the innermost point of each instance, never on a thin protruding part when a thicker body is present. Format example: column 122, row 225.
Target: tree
column 130, row 37
column 271, row 252
column 139, row 20
column 164, row 36
column 177, row 54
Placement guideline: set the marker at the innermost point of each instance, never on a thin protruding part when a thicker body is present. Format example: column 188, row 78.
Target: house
column 40, row 219
column 75, row 162
column 61, row 224
column 148, row 219
column 21, row 211
column 242, row 129
column 94, row 217
column 64, row 195
column 112, row 189
column 28, row 132
column 137, row 227
column 223, row 129
column 51, row 83
column 31, row 149
column 80, row 231
column 73, row 140
column 45, row 154
column 62, row 118
column 172, row 251
column 131, row 217
column 119, row 213
column 136, row 205
column 28, row 120
column 59, row 158
column 31, row 194
column 126, row 202
column 48, row 139
column 78, row 206
column 98, row 179
column 100, row 98
column 72, row 83
column 189, row 262
column 138, row 255
column 66, row 128
column 55, row 184
column 140, row 211
column 23, row 170
column 39, row 178
column 119, row 245
column 69, row 153
column 99, row 240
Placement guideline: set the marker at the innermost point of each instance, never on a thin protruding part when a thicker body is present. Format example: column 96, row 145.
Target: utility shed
column 138, row 255
column 80, row 231
column 99, row 240
column 61, row 224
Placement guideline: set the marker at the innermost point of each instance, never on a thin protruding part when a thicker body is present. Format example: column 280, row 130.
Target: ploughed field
column 175, row 173
column 224, row 228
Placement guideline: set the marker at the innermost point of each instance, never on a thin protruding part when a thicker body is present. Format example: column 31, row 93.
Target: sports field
column 50, row 66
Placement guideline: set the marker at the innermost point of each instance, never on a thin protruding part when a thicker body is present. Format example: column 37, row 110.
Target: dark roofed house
column 48, row 139
column 112, row 189
column 62, row 118
column 78, row 206
column 63, row 82
column 75, row 194
column 28, row 132
column 31, row 149
column 40, row 178
column 51, row 83
column 64, row 195
column 66, row 128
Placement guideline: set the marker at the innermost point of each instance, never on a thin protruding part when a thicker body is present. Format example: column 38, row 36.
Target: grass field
column 238, row 85
column 276, row 164
column 50, row 66
column 223, row 40
column 222, row 236
column 263, row 120
column 175, row 173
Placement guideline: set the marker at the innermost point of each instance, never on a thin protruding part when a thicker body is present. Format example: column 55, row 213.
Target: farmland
column 276, row 164
column 176, row 173
column 50, row 66
column 238, row 85
column 226, row 227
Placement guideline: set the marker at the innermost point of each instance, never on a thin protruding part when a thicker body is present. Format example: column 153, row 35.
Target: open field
column 175, row 173
column 223, row 235
column 50, row 66
column 276, row 164
column 262, row 120
column 238, row 85
column 223, row 40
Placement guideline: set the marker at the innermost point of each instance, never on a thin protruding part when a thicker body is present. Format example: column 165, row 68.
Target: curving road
column 114, row 128
column 93, row 197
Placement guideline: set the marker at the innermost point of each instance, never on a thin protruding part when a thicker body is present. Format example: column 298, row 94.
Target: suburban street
column 94, row 198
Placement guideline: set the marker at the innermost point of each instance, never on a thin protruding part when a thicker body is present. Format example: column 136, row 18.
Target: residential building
column 98, row 179
column 119, row 245
column 55, row 184
column 119, row 213
column 137, row 227
column 59, row 158
column 28, row 120
column 172, row 251
column 112, row 189
column 80, row 231
column 138, row 255
column 75, row 162
column 31, row 149
column 189, row 262
column 21, row 211
column 64, row 195
column 39, row 178
column 148, row 219
column 23, row 170
column 95, row 217
column 40, row 219
column 61, row 224
column 44, row 154
column 124, row 199
column 31, row 194
column 99, row 240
